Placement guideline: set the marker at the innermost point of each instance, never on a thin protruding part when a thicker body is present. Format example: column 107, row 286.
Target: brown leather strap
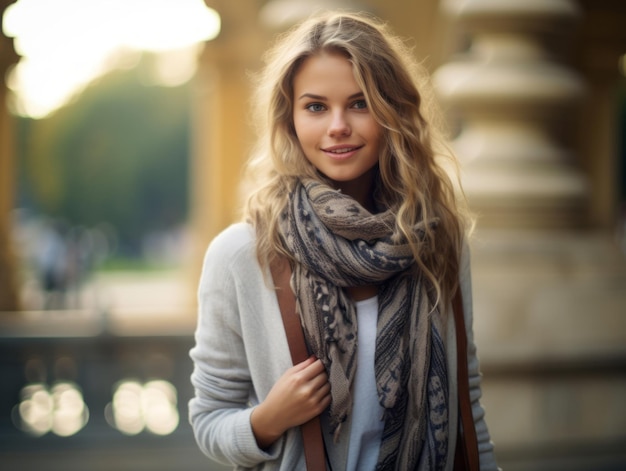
column 311, row 431
column 466, row 453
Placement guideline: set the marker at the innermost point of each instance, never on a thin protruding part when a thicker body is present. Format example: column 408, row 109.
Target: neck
column 360, row 189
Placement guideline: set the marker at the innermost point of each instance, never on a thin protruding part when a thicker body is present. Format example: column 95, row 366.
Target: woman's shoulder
column 236, row 240
column 235, row 235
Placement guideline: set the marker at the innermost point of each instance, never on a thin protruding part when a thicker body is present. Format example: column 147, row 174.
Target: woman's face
column 336, row 130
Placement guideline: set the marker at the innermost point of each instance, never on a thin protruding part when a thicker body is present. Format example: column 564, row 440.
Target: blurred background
column 123, row 129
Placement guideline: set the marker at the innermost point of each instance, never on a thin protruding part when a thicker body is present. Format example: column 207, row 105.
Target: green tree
column 118, row 154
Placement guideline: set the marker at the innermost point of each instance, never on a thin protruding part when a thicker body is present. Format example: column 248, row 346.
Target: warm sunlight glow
column 65, row 44
column 136, row 407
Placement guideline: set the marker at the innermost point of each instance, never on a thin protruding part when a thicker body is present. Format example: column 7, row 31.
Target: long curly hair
column 413, row 178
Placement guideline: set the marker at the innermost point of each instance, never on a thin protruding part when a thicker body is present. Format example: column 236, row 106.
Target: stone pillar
column 601, row 48
column 9, row 298
column 221, row 127
column 549, row 287
column 513, row 96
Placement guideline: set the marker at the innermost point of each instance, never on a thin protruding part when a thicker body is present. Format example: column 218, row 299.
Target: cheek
column 306, row 133
column 299, row 128
column 376, row 133
column 371, row 127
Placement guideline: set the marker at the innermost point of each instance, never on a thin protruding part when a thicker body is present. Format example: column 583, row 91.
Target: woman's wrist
column 264, row 427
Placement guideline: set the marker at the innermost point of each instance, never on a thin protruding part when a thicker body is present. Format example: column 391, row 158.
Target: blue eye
column 315, row 107
column 360, row 104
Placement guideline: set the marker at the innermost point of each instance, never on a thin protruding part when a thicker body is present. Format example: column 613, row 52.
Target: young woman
column 352, row 198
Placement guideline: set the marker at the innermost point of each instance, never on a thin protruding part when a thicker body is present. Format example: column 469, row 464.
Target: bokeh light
column 70, row 413
column 136, row 407
column 35, row 410
column 60, row 409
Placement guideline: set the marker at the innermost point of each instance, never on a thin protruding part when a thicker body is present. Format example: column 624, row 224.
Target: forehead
column 323, row 71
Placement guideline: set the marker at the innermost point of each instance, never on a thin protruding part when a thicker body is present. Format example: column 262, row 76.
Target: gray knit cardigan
column 241, row 350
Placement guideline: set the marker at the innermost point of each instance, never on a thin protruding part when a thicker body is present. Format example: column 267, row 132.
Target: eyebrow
column 323, row 98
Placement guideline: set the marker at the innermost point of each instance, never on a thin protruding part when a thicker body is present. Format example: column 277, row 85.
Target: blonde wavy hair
column 411, row 178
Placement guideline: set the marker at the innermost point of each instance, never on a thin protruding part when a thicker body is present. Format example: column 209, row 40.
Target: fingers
column 309, row 368
column 317, row 388
column 302, row 393
column 303, row 365
column 318, row 380
column 322, row 397
column 309, row 385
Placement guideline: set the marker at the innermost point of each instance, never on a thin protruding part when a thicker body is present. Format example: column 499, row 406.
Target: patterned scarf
column 338, row 244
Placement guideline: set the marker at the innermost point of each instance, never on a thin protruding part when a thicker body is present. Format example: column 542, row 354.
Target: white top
column 367, row 424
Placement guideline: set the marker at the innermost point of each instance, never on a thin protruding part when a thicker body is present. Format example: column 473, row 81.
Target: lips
column 341, row 149
column 341, row 152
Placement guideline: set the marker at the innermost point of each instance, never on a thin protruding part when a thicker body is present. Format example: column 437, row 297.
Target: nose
column 339, row 125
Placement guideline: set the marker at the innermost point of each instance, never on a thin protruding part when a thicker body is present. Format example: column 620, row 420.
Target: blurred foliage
column 118, row 155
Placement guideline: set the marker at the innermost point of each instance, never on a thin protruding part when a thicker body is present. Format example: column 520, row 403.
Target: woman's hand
column 300, row 394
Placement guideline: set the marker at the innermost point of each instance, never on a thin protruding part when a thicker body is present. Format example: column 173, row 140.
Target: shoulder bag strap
column 466, row 453
column 311, row 431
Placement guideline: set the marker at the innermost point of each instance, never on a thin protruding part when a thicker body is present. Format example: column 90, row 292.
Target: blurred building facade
column 531, row 89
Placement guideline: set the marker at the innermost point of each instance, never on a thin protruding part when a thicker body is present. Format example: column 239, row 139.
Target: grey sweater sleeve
column 485, row 446
column 224, row 394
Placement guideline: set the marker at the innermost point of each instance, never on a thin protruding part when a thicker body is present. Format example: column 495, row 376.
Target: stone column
column 513, row 97
column 549, row 288
column 9, row 298
column 599, row 56
column 221, row 128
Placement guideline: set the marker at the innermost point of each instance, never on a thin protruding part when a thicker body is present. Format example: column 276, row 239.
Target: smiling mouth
column 342, row 150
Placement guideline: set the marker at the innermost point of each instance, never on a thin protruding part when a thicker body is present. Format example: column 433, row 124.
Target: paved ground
column 137, row 291
column 148, row 301
column 145, row 300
